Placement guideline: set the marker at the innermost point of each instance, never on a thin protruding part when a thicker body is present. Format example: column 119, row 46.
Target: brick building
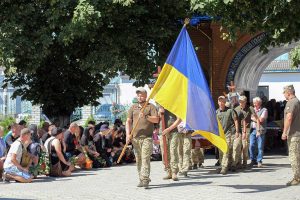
column 222, row 61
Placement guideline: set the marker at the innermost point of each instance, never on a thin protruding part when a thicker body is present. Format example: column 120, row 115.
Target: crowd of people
column 153, row 131
column 26, row 152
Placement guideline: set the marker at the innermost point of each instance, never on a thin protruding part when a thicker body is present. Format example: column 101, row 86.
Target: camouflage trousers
column 294, row 155
column 232, row 157
column 172, row 146
column 245, row 149
column 197, row 156
column 143, row 151
column 184, row 150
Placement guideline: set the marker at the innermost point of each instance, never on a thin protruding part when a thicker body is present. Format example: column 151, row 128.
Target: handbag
column 55, row 170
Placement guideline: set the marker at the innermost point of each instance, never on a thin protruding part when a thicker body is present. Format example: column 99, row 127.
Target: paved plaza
column 120, row 183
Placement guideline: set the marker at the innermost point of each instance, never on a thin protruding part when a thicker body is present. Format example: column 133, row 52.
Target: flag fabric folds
column 182, row 89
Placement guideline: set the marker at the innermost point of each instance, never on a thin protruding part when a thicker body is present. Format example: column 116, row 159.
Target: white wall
column 276, row 82
column 127, row 93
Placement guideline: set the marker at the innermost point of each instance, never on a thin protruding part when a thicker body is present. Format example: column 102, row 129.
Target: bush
column 5, row 122
column 90, row 118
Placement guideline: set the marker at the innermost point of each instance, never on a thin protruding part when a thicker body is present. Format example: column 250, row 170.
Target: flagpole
column 132, row 131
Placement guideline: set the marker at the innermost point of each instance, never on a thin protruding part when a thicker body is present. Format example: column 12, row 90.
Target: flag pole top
column 186, row 21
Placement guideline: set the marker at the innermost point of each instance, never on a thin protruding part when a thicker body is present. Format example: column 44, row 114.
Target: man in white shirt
column 12, row 165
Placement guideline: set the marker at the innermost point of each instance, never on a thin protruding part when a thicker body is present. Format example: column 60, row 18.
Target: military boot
column 168, row 176
column 293, row 182
column 174, row 177
column 223, row 171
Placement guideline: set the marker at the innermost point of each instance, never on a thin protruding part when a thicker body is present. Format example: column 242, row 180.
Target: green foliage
column 90, row 118
column 60, row 54
column 5, row 122
column 41, row 124
column 295, row 57
column 278, row 18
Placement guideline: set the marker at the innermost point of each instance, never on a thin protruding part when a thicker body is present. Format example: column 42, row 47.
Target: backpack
column 26, row 158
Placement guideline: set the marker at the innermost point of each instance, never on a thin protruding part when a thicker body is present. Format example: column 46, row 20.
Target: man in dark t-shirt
column 73, row 146
column 70, row 140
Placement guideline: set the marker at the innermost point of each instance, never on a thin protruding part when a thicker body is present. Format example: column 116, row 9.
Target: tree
column 279, row 18
column 61, row 53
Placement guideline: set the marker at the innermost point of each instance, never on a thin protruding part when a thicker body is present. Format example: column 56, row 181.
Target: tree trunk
column 62, row 121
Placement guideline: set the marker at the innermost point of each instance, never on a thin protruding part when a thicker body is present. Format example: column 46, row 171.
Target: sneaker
column 293, row 182
column 223, row 171
column 252, row 163
column 168, row 176
column 195, row 166
column 259, row 165
column 5, row 177
column 140, row 184
column 146, row 184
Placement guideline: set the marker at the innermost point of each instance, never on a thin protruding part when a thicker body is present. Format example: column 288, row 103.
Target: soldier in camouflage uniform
column 237, row 142
column 197, row 154
column 171, row 134
column 291, row 131
column 184, row 149
column 247, row 112
column 142, row 135
column 228, row 118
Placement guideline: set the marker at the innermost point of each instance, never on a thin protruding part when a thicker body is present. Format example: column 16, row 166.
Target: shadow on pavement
column 177, row 184
column 255, row 188
column 13, row 198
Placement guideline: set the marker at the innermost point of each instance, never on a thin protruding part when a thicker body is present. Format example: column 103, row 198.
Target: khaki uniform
column 197, row 153
column 247, row 112
column 184, row 150
column 226, row 118
column 172, row 144
column 142, row 139
column 237, row 142
column 293, row 107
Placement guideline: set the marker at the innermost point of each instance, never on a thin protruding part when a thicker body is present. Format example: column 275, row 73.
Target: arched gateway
column 241, row 62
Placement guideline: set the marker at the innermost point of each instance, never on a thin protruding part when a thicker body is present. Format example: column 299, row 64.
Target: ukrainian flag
column 182, row 89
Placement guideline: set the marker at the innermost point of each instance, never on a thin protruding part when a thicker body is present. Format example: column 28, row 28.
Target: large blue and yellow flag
column 182, row 89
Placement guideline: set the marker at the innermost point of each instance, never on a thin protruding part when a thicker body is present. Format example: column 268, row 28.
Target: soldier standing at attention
column 142, row 135
column 184, row 149
column 228, row 118
column 172, row 139
column 291, row 131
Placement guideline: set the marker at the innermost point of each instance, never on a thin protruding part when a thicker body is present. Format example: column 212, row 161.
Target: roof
column 281, row 66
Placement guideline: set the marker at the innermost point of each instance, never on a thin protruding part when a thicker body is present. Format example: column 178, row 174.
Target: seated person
column 12, row 165
column 47, row 135
column 2, row 151
column 73, row 148
column 88, row 145
column 107, row 144
column 54, row 148
column 119, row 141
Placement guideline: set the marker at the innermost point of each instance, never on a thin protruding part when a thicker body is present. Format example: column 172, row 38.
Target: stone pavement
column 120, row 183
